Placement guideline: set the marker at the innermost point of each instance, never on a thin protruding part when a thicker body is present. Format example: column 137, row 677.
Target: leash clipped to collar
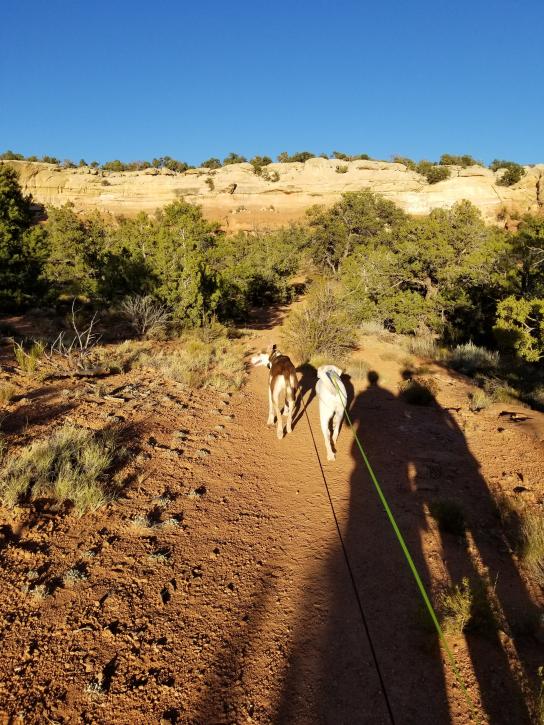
column 408, row 557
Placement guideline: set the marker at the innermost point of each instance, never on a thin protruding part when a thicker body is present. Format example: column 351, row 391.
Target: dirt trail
column 233, row 603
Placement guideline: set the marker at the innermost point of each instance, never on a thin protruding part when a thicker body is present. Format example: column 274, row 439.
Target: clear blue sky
column 104, row 79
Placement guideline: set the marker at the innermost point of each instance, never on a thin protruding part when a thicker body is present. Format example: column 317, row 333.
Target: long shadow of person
column 419, row 455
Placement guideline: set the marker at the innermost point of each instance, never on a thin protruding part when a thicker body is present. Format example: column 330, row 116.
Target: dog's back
column 332, row 397
column 283, row 370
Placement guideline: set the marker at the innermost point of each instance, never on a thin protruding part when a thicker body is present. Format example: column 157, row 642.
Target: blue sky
column 131, row 80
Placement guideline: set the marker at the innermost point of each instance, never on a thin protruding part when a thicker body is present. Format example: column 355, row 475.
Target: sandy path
column 236, row 604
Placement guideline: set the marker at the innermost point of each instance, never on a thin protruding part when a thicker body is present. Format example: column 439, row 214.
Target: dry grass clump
column 69, row 465
column 28, row 360
column 148, row 317
column 471, row 359
column 7, row 393
column 217, row 364
column 479, row 400
column 418, row 391
column 523, row 526
column 320, row 326
column 423, row 346
column 357, row 369
column 532, row 531
column 468, row 607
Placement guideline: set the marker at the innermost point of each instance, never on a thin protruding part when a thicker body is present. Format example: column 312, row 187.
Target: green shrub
column 212, row 163
column 259, row 162
column 233, row 158
column 520, row 327
column 302, row 156
column 432, row 172
column 470, row 359
column 512, row 174
column 409, row 163
column 464, row 161
column 70, row 465
column 319, row 326
column 342, row 169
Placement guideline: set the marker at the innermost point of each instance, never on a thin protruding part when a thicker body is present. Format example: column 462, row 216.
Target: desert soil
column 215, row 589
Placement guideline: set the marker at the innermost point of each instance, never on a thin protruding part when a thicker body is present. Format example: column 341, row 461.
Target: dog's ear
column 338, row 371
column 274, row 347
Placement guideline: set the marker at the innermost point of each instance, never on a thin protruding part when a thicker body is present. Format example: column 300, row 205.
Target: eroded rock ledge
column 240, row 199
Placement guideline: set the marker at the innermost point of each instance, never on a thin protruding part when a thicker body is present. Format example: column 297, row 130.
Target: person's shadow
column 420, row 456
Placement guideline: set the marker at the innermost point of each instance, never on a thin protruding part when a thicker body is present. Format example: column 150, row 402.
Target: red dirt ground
column 235, row 604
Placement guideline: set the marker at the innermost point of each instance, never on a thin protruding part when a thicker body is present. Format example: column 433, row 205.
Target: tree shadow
column 419, row 455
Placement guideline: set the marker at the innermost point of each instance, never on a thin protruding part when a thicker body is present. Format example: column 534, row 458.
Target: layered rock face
column 240, row 199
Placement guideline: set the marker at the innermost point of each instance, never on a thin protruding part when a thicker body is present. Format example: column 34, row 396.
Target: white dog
column 332, row 400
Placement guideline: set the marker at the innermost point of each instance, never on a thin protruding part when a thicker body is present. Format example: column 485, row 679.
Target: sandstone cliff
column 240, row 199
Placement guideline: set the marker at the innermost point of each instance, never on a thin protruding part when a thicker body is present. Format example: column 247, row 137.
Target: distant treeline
column 433, row 171
column 447, row 274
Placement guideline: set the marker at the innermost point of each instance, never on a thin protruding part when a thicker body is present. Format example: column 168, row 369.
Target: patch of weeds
column 28, row 361
column 357, row 369
column 449, row 516
column 455, row 605
column 217, row 364
column 389, row 356
column 479, row 400
column 95, row 689
column 373, row 327
column 38, row 591
column 532, row 531
column 470, row 359
column 70, row 465
column 160, row 556
column 73, row 576
column 172, row 522
column 418, row 391
column 7, row 393
column 524, row 528
column 468, row 608
column 142, row 521
column 165, row 500
column 423, row 346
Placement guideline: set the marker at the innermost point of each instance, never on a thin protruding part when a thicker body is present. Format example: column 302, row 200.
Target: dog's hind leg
column 325, row 420
column 336, row 425
column 290, row 405
column 276, row 392
column 270, row 420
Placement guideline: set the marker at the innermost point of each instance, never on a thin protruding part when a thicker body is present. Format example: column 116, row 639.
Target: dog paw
column 280, row 434
column 331, row 457
column 270, row 421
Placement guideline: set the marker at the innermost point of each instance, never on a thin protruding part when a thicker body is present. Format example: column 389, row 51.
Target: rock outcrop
column 240, row 199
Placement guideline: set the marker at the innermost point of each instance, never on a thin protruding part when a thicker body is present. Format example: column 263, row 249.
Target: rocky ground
column 215, row 588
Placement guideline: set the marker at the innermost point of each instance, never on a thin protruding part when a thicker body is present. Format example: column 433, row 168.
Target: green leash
column 408, row 556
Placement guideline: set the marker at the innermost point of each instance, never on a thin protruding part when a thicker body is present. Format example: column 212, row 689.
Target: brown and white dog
column 282, row 380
